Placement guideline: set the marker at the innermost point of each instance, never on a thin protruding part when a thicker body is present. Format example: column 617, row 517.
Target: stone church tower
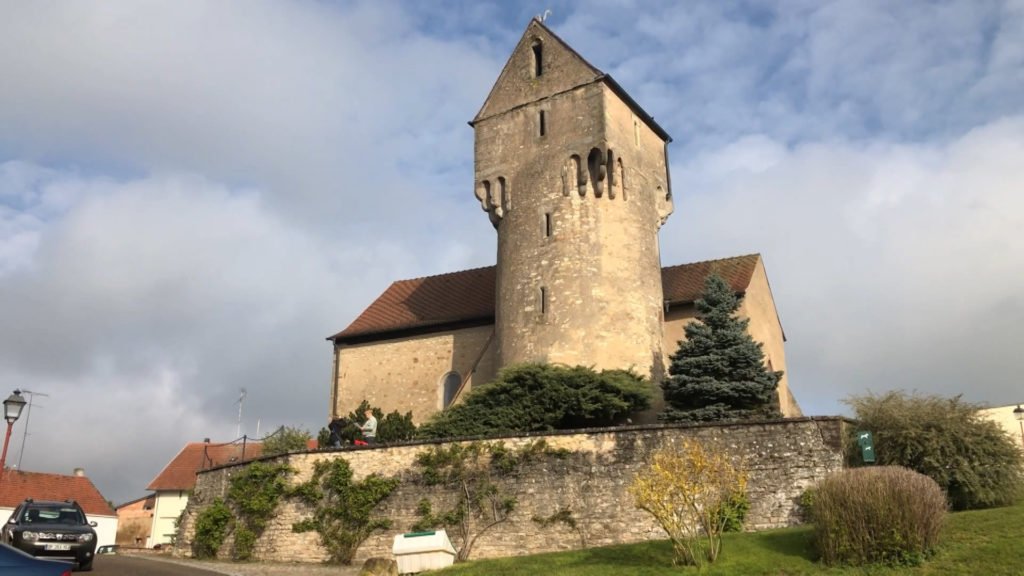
column 574, row 176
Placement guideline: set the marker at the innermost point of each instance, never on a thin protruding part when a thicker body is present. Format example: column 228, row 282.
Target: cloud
column 893, row 265
column 170, row 285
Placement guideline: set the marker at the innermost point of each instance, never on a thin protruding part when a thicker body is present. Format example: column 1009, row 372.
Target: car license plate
column 58, row 546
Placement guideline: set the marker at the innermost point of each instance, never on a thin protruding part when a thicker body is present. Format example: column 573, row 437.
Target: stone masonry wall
column 782, row 459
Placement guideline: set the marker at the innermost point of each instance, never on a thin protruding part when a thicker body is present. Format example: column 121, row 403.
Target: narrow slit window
column 543, row 300
column 547, row 225
column 542, row 123
column 538, row 59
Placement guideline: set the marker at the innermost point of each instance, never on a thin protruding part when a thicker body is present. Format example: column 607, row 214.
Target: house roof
column 468, row 296
column 146, row 500
column 180, row 473
column 16, row 486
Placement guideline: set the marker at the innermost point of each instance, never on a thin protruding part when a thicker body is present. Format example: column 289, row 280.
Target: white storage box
column 421, row 551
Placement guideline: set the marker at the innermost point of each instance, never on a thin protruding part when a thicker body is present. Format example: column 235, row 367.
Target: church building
column 573, row 174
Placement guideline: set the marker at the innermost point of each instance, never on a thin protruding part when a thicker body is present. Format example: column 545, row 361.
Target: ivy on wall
column 253, row 496
column 473, row 472
column 342, row 509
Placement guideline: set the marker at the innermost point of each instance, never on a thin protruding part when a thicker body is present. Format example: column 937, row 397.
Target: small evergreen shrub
column 718, row 373
column 885, row 515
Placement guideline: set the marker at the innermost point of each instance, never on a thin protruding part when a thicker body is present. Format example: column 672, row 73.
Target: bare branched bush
column 887, row 515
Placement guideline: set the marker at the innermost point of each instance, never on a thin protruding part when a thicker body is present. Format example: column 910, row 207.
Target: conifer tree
column 718, row 372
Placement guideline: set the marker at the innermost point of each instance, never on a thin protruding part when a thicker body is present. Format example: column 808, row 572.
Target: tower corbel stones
column 574, row 177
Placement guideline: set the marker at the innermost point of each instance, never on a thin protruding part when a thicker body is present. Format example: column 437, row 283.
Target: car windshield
column 52, row 515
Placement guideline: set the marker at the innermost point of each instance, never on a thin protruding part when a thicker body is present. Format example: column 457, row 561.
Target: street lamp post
column 12, row 411
column 1018, row 413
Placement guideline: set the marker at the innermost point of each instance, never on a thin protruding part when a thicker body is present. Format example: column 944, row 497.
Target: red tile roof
column 683, row 284
column 16, row 486
column 180, row 473
column 468, row 296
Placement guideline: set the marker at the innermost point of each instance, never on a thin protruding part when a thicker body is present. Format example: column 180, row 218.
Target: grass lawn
column 985, row 542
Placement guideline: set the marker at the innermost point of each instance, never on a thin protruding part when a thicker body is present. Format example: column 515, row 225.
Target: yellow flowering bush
column 687, row 490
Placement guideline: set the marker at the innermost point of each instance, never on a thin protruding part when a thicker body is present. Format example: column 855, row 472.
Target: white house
column 174, row 483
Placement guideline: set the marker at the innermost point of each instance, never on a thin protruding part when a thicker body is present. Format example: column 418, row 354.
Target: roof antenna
column 28, row 417
column 241, row 397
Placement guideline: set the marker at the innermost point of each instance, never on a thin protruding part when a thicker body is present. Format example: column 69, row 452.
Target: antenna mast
column 28, row 417
column 241, row 397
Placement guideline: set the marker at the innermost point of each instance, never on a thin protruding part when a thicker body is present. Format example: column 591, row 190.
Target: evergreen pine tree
column 718, row 372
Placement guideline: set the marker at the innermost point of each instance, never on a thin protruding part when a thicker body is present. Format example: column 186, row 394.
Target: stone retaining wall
column 782, row 459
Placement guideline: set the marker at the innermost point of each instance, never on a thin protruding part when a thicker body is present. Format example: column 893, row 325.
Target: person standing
column 369, row 428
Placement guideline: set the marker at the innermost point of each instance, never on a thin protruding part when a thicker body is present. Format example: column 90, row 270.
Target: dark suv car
column 52, row 530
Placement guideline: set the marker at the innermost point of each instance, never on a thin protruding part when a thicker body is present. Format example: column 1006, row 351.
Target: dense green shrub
column 970, row 457
column 888, row 515
column 733, row 511
column 391, row 427
column 286, row 439
column 211, row 529
column 718, row 372
column 542, row 397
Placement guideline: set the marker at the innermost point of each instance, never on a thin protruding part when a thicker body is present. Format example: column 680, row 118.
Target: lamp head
column 13, row 406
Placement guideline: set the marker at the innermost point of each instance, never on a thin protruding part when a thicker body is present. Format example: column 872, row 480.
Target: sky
column 195, row 195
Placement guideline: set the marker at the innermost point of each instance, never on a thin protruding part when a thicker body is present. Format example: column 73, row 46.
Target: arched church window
column 449, row 388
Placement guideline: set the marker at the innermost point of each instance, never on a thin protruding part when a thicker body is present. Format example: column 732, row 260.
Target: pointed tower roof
column 563, row 69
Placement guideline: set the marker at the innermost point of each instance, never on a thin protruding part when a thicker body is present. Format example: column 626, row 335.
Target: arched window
column 596, row 167
column 483, row 194
column 620, row 176
column 449, row 388
column 612, row 179
column 504, row 194
column 538, row 58
column 574, row 177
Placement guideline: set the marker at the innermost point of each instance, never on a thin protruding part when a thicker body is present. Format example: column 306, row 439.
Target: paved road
column 129, row 565
column 136, row 566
